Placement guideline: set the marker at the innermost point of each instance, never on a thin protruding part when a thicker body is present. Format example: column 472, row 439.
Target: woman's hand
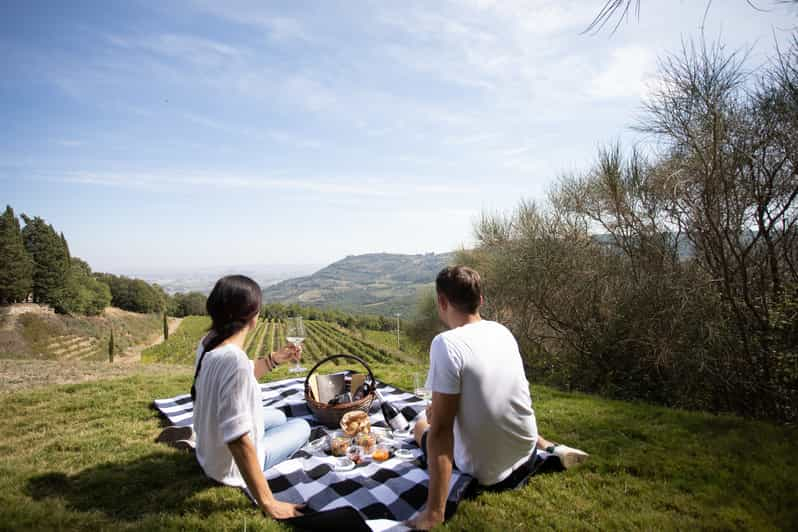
column 289, row 352
column 283, row 510
column 426, row 520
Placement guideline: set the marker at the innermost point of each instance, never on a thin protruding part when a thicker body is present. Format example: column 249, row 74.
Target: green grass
column 181, row 346
column 387, row 340
column 82, row 457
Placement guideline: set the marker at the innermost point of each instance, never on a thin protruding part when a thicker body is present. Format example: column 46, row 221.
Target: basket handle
column 340, row 355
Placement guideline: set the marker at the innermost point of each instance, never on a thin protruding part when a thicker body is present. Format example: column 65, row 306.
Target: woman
column 236, row 438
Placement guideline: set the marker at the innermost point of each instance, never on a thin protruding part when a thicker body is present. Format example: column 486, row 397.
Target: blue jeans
column 282, row 437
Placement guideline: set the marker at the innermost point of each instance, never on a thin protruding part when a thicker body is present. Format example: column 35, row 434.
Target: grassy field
column 82, row 457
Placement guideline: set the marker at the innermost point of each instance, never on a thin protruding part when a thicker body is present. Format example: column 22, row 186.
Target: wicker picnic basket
column 330, row 415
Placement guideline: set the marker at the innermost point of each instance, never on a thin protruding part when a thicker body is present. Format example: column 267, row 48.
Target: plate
column 381, row 433
column 404, row 454
column 403, row 433
column 343, row 464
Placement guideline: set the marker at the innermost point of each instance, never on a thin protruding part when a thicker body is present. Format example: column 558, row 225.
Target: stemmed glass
column 420, row 388
column 295, row 334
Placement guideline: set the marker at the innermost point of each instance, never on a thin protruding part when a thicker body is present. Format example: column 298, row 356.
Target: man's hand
column 283, row 510
column 289, row 352
column 425, row 521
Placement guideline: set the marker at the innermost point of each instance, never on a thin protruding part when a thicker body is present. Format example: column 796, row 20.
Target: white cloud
column 626, row 75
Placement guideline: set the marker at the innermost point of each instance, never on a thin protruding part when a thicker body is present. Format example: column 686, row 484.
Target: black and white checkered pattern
column 394, row 490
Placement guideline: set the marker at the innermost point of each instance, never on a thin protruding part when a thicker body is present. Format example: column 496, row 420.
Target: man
column 481, row 417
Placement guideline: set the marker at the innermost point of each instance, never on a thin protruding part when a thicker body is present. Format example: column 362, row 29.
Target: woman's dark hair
column 234, row 301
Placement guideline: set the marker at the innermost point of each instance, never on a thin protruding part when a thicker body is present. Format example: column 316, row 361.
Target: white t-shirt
column 228, row 405
column 495, row 428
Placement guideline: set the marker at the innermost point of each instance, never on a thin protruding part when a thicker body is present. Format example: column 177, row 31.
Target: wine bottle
column 393, row 417
column 361, row 392
column 345, row 397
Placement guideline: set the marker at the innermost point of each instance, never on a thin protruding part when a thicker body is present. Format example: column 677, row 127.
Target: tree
column 622, row 9
column 165, row 327
column 111, row 346
column 16, row 266
column 190, row 304
column 83, row 293
column 669, row 278
column 50, row 260
column 134, row 295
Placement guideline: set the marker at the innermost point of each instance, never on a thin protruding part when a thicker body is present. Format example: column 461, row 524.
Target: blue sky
column 173, row 135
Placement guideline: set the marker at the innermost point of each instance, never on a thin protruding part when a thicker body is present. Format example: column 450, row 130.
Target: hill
column 29, row 331
column 375, row 283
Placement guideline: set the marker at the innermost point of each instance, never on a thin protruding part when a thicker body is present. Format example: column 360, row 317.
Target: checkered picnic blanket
column 394, row 490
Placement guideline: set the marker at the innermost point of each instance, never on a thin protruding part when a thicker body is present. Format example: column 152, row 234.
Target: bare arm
column 440, row 452
column 262, row 366
column 246, row 459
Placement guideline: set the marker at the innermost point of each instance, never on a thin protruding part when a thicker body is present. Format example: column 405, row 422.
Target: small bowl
column 343, row 464
column 404, row 454
column 339, row 443
column 367, row 443
column 381, row 453
column 319, row 445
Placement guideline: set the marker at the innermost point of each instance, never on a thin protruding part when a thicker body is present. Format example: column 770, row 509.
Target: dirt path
column 133, row 353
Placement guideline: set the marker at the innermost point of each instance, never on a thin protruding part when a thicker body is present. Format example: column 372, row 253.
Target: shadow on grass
column 156, row 483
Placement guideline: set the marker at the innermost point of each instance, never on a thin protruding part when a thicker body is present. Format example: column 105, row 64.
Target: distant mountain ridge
column 374, row 283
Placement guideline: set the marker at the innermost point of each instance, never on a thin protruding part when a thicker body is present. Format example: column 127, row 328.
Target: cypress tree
column 165, row 327
column 50, row 261
column 16, row 265
column 111, row 347
column 66, row 246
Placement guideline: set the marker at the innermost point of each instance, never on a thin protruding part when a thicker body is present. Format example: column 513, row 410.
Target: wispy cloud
column 393, row 187
column 257, row 14
column 70, row 143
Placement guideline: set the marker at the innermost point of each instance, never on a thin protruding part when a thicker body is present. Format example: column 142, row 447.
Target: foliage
column 188, row 304
column 50, row 261
column 675, row 301
column 651, row 468
column 344, row 319
column 83, row 293
column 427, row 323
column 134, row 295
column 16, row 265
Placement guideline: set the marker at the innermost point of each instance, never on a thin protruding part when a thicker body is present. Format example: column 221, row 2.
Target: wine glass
column 420, row 388
column 295, row 334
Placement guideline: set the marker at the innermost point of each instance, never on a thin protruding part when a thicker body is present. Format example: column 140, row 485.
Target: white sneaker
column 570, row 457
